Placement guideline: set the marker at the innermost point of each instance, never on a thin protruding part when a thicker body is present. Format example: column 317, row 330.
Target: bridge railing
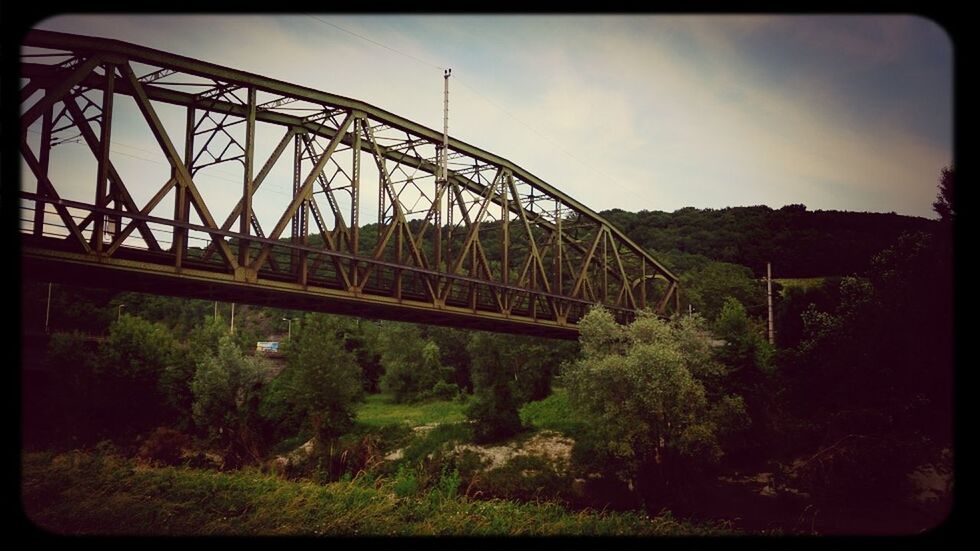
column 56, row 238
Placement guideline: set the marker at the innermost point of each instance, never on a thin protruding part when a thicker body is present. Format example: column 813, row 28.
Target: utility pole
column 443, row 176
column 232, row 318
column 289, row 328
column 772, row 339
column 216, row 310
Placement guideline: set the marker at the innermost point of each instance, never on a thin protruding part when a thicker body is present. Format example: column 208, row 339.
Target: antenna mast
column 442, row 178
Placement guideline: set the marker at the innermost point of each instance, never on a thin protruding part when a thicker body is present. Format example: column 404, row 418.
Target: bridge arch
column 372, row 229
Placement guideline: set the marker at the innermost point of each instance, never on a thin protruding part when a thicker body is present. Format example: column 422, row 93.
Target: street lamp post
column 119, row 312
column 289, row 327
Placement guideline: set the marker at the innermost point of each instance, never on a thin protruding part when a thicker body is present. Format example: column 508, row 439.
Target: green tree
column 745, row 348
column 748, row 358
column 411, row 362
column 132, row 363
column 653, row 420
column 175, row 381
column 452, row 353
column 226, row 388
column 509, row 371
column 707, row 288
column 494, row 408
column 321, row 382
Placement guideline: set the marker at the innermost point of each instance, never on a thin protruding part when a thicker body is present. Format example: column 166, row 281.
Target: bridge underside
column 146, row 276
column 384, row 220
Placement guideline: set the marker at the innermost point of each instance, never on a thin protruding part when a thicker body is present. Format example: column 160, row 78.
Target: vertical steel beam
column 355, row 205
column 44, row 183
column 437, row 223
column 450, row 206
column 45, row 159
column 183, row 175
column 643, row 282
column 301, row 196
column 103, row 166
column 304, row 228
column 400, row 260
column 181, row 198
column 256, row 183
column 474, row 291
column 297, row 177
column 605, row 267
column 245, row 220
column 557, row 260
column 505, row 241
column 118, row 192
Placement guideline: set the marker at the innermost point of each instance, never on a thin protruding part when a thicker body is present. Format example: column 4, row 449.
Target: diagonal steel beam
column 183, row 175
column 530, row 236
column 625, row 278
column 472, row 234
column 135, row 222
column 399, row 214
column 58, row 91
column 278, row 118
column 303, row 192
column 341, row 226
column 64, row 41
column 259, row 178
column 118, row 187
column 328, row 242
column 49, row 190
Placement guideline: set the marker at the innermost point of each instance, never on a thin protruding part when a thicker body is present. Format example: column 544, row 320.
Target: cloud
column 661, row 112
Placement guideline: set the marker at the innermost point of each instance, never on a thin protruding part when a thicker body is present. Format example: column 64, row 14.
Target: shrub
column 406, row 483
column 444, row 391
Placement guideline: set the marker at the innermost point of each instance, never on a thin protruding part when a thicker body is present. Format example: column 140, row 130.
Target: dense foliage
column 322, row 379
column 226, row 389
column 411, row 362
column 800, row 243
column 643, row 387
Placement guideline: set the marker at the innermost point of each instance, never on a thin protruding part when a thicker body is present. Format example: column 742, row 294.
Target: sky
column 637, row 112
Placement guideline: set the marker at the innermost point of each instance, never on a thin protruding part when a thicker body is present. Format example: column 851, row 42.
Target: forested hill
column 799, row 243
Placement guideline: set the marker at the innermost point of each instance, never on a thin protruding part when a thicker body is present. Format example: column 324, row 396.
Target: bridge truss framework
column 489, row 246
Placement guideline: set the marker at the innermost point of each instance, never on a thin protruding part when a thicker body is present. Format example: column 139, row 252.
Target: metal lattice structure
column 373, row 230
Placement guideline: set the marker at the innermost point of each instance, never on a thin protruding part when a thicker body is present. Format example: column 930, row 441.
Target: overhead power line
column 471, row 88
column 378, row 43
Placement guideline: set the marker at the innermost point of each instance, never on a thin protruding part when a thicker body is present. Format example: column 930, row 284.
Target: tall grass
column 554, row 413
column 380, row 410
column 80, row 493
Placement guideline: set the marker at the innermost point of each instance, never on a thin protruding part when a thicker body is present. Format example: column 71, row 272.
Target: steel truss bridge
column 374, row 228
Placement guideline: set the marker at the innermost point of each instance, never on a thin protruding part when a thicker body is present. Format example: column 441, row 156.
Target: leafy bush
column 406, row 483
column 651, row 416
column 444, row 391
column 226, row 400
column 411, row 362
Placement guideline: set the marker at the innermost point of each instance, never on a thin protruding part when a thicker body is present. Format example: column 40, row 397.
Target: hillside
column 799, row 243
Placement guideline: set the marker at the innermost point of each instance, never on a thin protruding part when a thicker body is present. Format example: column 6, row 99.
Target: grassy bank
column 379, row 410
column 83, row 493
